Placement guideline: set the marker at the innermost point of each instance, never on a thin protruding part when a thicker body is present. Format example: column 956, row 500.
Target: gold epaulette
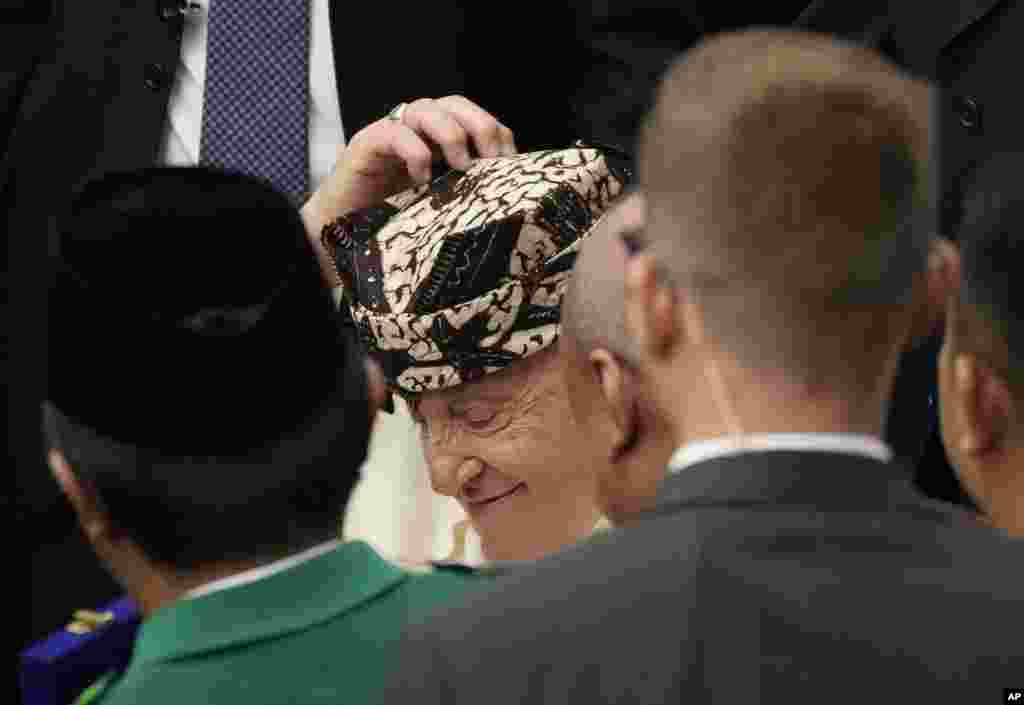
column 85, row 621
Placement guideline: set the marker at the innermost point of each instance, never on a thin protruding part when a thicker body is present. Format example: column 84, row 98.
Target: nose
column 449, row 474
column 452, row 466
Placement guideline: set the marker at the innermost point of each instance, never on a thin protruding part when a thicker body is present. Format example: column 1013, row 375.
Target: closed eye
column 478, row 418
column 481, row 424
column 474, row 416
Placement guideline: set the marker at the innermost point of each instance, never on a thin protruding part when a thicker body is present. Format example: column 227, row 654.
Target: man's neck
column 1005, row 490
column 748, row 408
column 164, row 586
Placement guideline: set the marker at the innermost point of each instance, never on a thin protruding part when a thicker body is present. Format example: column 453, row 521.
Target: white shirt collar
column 851, row 443
column 263, row 571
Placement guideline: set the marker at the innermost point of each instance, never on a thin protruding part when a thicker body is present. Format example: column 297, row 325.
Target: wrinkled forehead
column 504, row 385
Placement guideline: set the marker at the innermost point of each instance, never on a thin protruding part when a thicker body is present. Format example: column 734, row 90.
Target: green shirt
column 324, row 631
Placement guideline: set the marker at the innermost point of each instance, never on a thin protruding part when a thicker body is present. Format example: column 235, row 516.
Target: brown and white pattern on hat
column 463, row 276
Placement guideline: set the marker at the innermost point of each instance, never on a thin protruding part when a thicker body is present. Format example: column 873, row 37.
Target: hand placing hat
column 396, row 152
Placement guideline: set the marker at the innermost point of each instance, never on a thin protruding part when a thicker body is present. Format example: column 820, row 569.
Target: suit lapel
column 967, row 12
column 917, row 31
column 866, row 21
column 386, row 53
column 924, row 34
column 346, row 46
column 365, row 61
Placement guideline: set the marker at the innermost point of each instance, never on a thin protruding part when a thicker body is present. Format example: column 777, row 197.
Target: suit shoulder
column 427, row 588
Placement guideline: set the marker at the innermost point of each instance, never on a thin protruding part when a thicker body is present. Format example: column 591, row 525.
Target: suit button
column 169, row 11
column 157, row 77
column 954, row 58
column 968, row 113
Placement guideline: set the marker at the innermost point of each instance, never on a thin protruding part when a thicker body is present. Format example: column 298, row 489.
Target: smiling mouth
column 496, row 498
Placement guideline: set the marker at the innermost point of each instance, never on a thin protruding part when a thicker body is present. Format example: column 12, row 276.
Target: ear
column 985, row 406
column 83, row 499
column 995, row 407
column 650, row 309
column 941, row 281
column 611, row 378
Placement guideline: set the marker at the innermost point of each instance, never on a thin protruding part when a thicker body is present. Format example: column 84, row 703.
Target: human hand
column 391, row 155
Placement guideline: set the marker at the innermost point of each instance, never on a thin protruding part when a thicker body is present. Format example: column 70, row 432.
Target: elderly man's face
column 507, row 448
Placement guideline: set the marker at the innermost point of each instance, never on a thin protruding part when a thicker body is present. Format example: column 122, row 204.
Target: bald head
column 592, row 311
column 788, row 189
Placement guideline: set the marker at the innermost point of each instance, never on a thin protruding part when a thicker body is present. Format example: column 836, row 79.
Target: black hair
column 190, row 511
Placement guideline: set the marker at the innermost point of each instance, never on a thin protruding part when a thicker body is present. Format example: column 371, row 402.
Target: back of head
column 989, row 322
column 593, row 314
column 788, row 184
column 199, row 379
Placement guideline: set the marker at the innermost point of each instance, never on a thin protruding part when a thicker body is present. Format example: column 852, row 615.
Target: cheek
column 577, row 403
column 548, row 455
column 522, row 457
column 579, row 399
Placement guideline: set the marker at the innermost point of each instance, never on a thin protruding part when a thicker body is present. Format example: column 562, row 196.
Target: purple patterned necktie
column 256, row 99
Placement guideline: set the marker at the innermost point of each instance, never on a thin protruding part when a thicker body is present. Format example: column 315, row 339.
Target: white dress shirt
column 851, row 443
column 263, row 571
column 185, row 109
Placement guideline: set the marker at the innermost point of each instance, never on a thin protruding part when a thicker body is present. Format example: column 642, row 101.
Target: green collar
column 289, row 601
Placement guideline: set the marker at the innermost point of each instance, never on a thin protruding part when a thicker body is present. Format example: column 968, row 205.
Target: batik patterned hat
column 463, row 276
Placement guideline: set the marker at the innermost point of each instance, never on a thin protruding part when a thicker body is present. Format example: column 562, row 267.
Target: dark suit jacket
column 971, row 48
column 778, row 577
